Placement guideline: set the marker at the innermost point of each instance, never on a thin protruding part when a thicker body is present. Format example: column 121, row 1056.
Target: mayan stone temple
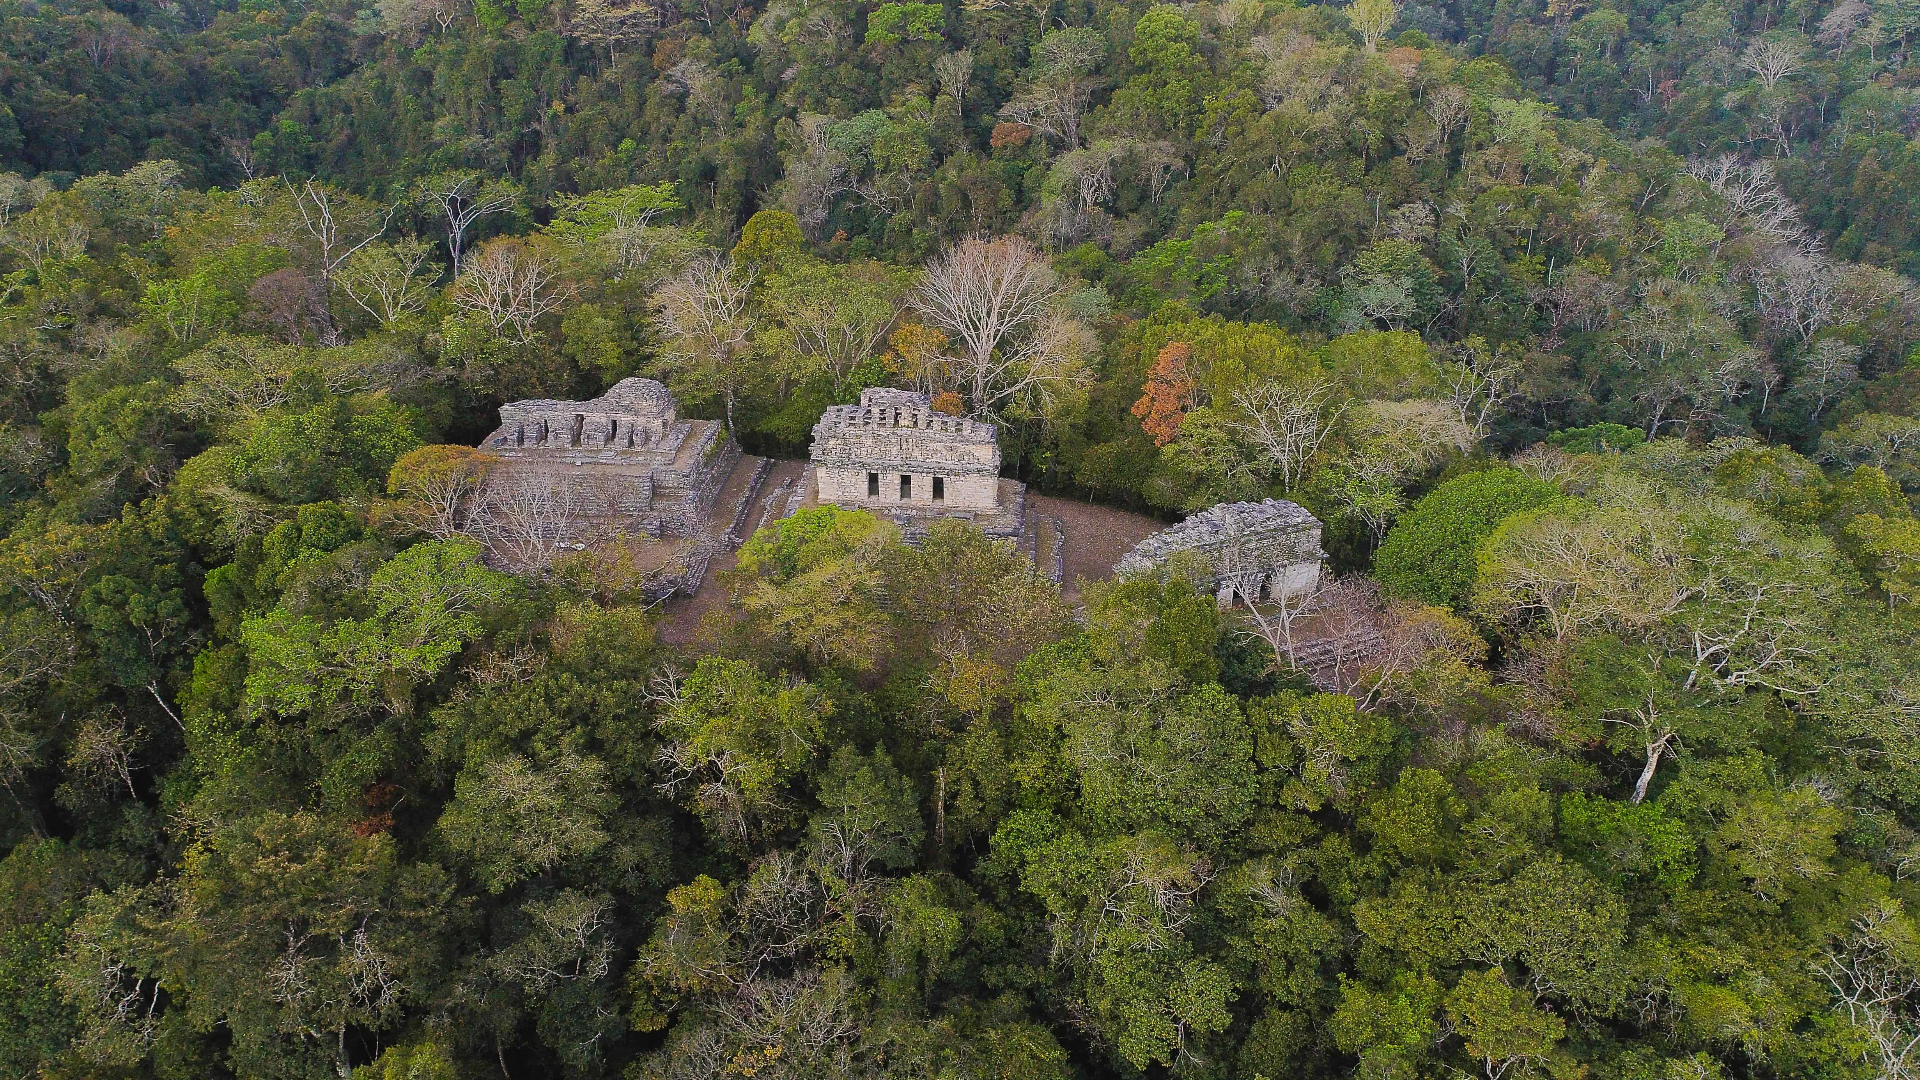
column 1265, row 550
column 894, row 456
column 624, row 460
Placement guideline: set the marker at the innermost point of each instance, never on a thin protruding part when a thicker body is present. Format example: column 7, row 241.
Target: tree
column 1373, row 20
column 1685, row 355
column 390, row 281
column 513, row 818
column 620, row 227
column 1875, row 979
column 707, row 322
column 998, row 297
column 1893, row 546
column 336, row 225
column 1774, row 57
column 835, row 317
column 513, row 284
column 614, row 24
column 444, row 488
column 426, row 604
column 52, row 231
column 463, row 197
column 234, row 379
column 734, row 740
column 1579, row 567
column 1063, row 84
column 1887, row 441
column 288, row 930
column 1168, row 393
column 1287, row 424
column 1389, row 443
column 769, row 239
column 1430, row 553
column 821, row 576
column 1504, row 1031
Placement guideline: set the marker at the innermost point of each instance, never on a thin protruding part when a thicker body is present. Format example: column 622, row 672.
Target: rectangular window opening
column 906, row 486
column 873, row 485
column 939, row 489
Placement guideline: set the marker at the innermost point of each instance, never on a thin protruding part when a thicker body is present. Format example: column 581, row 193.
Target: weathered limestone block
column 893, row 451
column 1253, row 551
column 635, row 415
column 623, row 461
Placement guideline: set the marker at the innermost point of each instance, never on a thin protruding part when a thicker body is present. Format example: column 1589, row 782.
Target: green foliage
column 1598, row 438
column 1430, row 554
column 297, row 781
column 892, row 24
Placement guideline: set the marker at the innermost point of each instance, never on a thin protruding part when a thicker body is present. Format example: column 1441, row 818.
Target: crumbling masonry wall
column 861, row 453
column 621, row 462
column 1264, row 550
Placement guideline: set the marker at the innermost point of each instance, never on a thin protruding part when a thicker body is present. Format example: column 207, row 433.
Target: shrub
column 1429, row 554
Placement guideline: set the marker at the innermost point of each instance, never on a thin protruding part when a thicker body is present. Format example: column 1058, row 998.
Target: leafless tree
column 1773, row 58
column 1272, row 611
column 529, row 517
column 103, row 748
column 1838, row 27
column 1081, row 182
column 293, row 305
column 462, row 197
column 512, row 283
column 1797, row 293
column 1479, row 379
column 336, row 223
column 1754, row 203
column 1830, row 371
column 1288, row 424
column 1160, row 160
column 952, row 72
column 998, row 298
column 390, row 281
column 817, row 175
column 1875, row 983
column 707, row 322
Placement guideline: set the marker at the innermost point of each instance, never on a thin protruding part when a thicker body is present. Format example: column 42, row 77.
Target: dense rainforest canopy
column 1587, row 327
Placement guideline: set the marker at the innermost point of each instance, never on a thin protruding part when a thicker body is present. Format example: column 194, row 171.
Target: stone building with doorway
column 894, row 456
column 1247, row 550
column 623, row 462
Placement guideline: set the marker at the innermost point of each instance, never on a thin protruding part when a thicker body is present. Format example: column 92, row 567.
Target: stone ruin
column 894, row 456
column 622, row 462
column 1251, row 551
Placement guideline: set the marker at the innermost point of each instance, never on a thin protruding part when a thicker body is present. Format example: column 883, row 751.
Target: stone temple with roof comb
column 895, row 456
column 625, row 459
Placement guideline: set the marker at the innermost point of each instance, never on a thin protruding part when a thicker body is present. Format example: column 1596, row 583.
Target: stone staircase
column 735, row 535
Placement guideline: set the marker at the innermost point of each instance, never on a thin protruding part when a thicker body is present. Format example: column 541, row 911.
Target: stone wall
column 851, row 487
column 860, row 452
column 1263, row 550
column 636, row 416
column 622, row 462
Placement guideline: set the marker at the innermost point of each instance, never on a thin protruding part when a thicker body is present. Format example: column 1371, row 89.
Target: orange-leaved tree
column 1168, row 393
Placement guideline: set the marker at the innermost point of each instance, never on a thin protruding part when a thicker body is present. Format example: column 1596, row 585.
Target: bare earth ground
column 1096, row 538
column 683, row 614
